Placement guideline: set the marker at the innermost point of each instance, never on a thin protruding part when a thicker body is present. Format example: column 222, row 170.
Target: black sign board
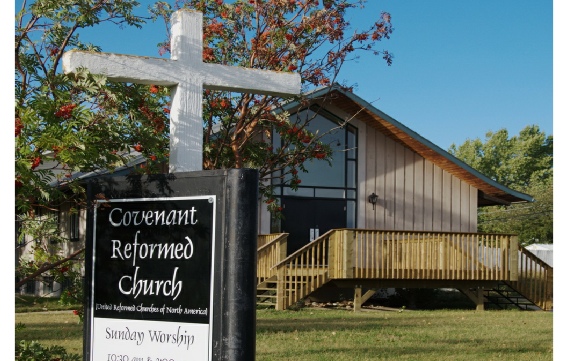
column 171, row 267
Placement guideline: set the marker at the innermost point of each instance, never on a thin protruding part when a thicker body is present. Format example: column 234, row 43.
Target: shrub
column 34, row 351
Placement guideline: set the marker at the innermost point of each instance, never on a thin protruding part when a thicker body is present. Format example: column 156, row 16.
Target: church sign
column 170, row 267
column 152, row 294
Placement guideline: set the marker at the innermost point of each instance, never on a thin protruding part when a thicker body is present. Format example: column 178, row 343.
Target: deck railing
column 271, row 250
column 304, row 271
column 535, row 279
column 434, row 255
column 371, row 254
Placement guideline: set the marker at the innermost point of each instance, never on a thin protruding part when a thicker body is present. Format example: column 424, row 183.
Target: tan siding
column 464, row 207
column 437, row 191
column 428, row 201
column 456, row 205
column 473, row 209
column 414, row 194
column 390, row 180
column 399, row 188
column 380, row 188
column 361, row 207
column 409, row 192
column 446, row 201
column 370, row 185
column 419, row 208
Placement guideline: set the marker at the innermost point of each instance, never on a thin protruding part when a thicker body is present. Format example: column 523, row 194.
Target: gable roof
column 489, row 191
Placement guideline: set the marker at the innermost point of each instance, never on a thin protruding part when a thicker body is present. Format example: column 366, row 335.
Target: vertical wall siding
column 414, row 194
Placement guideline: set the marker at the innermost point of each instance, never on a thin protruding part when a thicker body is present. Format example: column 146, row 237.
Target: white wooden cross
column 187, row 76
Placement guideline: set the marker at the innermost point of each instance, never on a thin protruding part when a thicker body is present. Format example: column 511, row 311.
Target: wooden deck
column 471, row 262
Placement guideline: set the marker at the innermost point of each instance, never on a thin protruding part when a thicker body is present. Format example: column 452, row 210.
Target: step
column 266, row 304
column 266, row 296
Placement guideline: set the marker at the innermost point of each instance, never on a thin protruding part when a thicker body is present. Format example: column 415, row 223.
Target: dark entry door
column 305, row 218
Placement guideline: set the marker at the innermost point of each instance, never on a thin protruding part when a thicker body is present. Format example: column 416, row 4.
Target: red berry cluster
column 36, row 162
column 19, row 126
column 156, row 119
column 65, row 111
column 319, row 153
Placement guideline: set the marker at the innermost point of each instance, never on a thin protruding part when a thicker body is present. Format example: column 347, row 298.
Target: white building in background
column 542, row 251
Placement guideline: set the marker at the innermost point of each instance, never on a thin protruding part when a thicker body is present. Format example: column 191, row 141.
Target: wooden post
column 476, row 296
column 332, row 254
column 282, row 248
column 514, row 264
column 357, row 299
column 480, row 305
column 348, row 243
column 548, row 293
column 281, row 289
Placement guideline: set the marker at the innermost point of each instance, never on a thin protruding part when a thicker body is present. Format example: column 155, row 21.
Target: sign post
column 171, row 269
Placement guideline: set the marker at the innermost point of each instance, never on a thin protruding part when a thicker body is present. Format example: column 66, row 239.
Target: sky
column 460, row 69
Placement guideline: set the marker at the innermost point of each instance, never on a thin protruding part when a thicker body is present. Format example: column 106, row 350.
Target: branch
column 47, row 267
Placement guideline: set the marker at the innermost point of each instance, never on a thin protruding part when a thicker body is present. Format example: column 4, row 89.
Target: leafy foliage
column 524, row 163
column 35, row 351
column 71, row 124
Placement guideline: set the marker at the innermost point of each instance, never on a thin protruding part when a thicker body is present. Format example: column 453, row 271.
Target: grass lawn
column 324, row 334
column 24, row 303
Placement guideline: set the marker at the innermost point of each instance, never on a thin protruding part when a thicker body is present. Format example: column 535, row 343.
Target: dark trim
column 492, row 200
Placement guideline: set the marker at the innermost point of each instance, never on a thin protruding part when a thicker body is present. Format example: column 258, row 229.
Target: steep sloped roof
column 490, row 192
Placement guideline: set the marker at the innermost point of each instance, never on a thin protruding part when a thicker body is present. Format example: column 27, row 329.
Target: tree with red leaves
column 310, row 37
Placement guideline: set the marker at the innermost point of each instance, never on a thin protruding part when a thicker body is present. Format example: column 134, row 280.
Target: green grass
column 24, row 303
column 323, row 334
column 52, row 328
column 410, row 335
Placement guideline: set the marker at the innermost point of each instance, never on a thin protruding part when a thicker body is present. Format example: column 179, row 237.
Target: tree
column 67, row 124
column 81, row 123
column 283, row 35
column 523, row 163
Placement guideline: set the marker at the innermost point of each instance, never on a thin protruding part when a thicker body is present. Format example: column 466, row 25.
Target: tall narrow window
column 52, row 216
column 74, row 226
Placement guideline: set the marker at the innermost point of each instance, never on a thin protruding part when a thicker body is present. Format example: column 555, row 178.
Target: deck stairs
column 266, row 292
column 504, row 296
